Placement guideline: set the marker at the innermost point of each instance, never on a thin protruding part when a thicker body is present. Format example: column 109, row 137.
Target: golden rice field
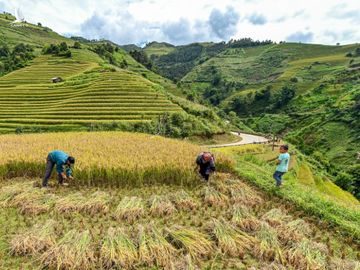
column 223, row 225
column 106, row 158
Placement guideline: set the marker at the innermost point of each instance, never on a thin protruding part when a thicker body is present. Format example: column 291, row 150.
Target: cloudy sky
column 186, row 21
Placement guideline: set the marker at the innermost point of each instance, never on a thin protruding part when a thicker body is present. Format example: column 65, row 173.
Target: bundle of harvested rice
column 35, row 201
column 144, row 253
column 337, row 263
column 244, row 219
column 307, row 254
column 7, row 193
column 161, row 206
column 183, row 201
column 73, row 251
column 212, row 197
column 245, row 196
column 98, row 202
column 269, row 247
column 154, row 249
column 130, row 209
column 70, row 203
column 118, row 250
column 34, row 241
column 294, row 231
column 272, row 266
column 76, row 202
column 276, row 217
column 193, row 242
column 230, row 240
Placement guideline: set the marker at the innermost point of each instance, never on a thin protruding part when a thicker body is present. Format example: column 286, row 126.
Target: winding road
column 246, row 139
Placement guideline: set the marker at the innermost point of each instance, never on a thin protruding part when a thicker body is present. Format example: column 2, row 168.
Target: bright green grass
column 311, row 194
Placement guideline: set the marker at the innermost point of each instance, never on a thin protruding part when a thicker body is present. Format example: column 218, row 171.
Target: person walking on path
column 205, row 164
column 282, row 162
column 63, row 163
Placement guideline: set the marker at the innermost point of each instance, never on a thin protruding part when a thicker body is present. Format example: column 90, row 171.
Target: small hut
column 56, row 79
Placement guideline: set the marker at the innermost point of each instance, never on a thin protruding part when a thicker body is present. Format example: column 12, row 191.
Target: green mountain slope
column 310, row 93
column 103, row 87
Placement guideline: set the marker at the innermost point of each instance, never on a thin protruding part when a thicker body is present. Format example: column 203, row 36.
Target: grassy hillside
column 26, row 33
column 163, row 223
column 155, row 49
column 306, row 92
column 103, row 88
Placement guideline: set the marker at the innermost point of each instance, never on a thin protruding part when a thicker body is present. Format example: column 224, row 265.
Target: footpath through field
column 246, row 139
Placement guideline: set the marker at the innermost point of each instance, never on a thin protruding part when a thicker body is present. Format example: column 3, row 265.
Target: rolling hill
column 102, row 87
column 306, row 92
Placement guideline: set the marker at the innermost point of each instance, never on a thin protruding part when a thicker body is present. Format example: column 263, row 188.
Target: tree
column 77, row 45
column 286, row 94
column 63, row 46
column 141, row 57
column 345, row 181
column 4, row 51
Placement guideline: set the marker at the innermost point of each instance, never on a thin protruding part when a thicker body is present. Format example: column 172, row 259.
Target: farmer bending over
column 61, row 160
column 206, row 164
column 282, row 162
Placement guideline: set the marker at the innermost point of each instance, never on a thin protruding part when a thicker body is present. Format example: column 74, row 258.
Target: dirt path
column 246, row 139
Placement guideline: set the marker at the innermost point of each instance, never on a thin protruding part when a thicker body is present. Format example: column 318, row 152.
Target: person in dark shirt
column 63, row 163
column 205, row 164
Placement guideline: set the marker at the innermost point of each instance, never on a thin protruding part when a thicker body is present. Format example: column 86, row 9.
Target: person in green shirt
column 282, row 162
column 63, row 163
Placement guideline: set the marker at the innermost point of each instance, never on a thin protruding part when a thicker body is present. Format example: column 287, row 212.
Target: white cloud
column 184, row 21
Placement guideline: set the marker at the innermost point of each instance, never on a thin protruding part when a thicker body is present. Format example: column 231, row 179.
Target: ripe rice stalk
column 73, row 251
column 118, row 250
column 269, row 247
column 161, row 206
column 245, row 220
column 130, row 209
column 230, row 240
column 212, row 197
column 34, row 241
column 195, row 243
column 33, row 201
column 183, row 201
column 275, row 217
column 154, row 249
column 307, row 254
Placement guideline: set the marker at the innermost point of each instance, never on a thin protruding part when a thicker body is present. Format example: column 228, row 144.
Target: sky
column 187, row 21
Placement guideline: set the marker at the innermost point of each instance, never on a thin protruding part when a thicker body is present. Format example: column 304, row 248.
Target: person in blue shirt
column 282, row 162
column 63, row 163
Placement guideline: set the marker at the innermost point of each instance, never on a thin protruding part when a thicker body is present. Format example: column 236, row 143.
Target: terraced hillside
column 89, row 95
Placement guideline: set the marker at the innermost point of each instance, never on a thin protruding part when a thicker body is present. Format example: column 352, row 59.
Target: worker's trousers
column 278, row 177
column 49, row 167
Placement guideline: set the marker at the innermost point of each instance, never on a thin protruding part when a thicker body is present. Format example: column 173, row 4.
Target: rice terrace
column 170, row 155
